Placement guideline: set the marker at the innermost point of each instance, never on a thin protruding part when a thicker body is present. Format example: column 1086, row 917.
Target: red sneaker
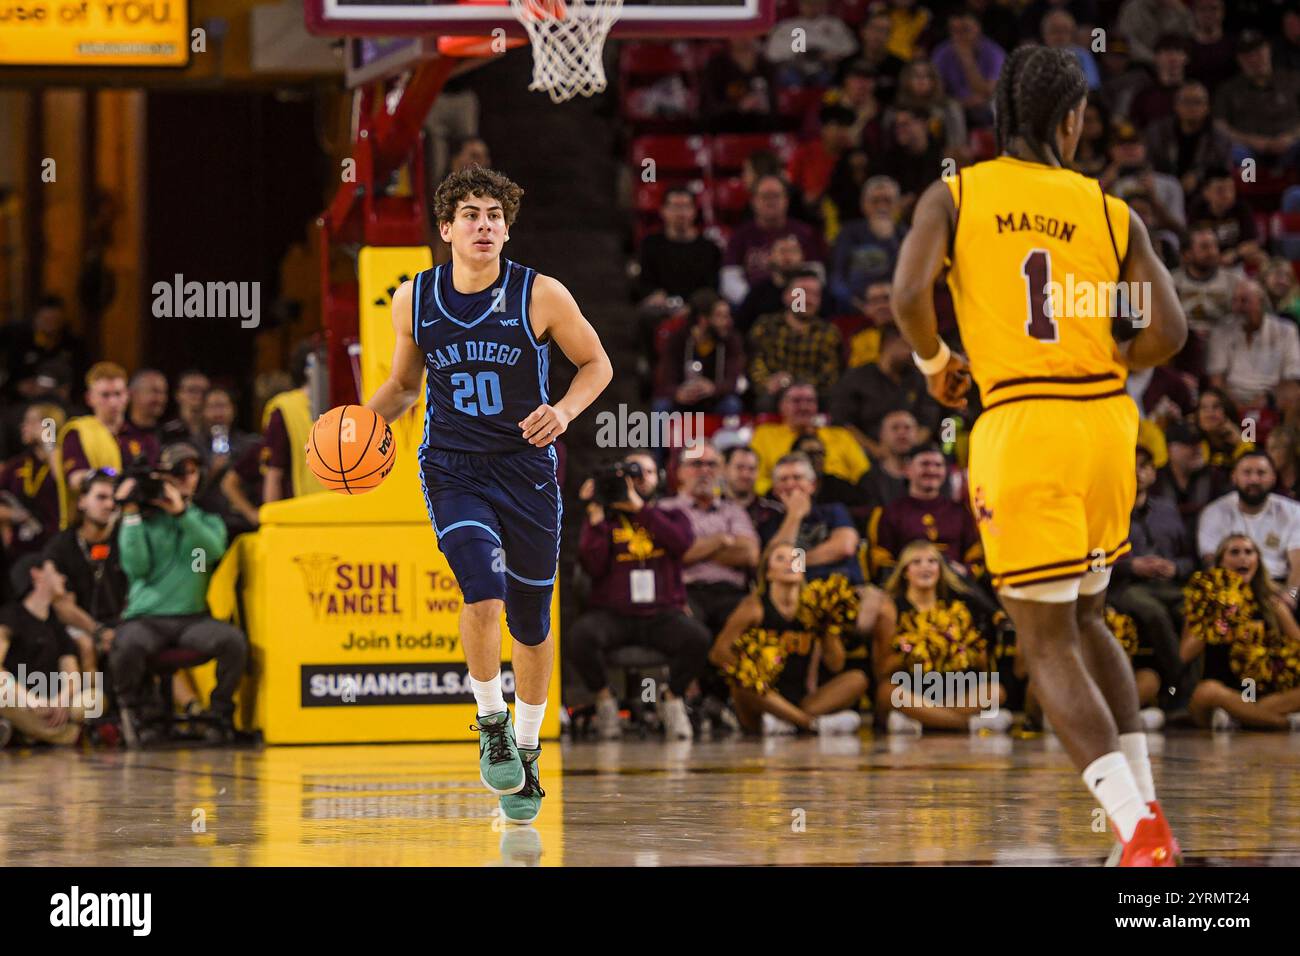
column 1154, row 807
column 1151, row 844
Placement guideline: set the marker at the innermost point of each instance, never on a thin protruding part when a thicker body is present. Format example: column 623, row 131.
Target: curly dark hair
column 475, row 180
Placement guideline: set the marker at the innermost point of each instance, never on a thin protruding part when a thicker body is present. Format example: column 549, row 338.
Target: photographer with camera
column 633, row 550
column 169, row 547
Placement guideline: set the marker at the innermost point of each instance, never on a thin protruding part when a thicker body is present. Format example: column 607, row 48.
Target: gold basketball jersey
column 1034, row 270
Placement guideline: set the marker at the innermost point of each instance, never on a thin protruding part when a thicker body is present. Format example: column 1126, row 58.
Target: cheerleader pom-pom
column 1217, row 604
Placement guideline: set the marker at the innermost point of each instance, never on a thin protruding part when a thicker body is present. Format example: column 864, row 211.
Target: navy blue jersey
column 486, row 372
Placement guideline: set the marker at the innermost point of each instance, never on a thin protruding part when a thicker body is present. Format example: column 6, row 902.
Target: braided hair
column 1038, row 86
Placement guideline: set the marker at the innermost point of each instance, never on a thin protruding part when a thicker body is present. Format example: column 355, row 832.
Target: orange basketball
column 351, row 449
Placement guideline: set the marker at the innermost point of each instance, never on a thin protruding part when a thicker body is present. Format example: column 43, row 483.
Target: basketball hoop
column 568, row 43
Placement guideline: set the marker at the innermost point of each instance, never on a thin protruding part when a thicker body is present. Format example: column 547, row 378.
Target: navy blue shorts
column 513, row 500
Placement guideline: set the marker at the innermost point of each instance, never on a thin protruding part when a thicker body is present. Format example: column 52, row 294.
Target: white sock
column 528, row 722
column 1134, row 748
column 487, row 694
column 1111, row 781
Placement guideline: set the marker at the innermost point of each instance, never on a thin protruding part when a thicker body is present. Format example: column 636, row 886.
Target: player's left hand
column 950, row 385
column 545, row 424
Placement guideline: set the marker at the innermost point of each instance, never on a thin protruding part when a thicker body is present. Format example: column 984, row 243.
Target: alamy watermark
column 179, row 299
column 627, row 428
column 922, row 688
column 42, row 689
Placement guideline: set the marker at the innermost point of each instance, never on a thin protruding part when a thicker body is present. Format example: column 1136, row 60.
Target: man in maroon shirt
column 106, row 394
column 924, row 514
column 633, row 552
column 29, row 495
column 747, row 257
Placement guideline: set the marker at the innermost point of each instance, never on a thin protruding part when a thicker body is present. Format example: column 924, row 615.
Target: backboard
column 640, row 18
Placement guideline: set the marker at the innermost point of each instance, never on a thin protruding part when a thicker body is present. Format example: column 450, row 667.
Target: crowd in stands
column 119, row 495
column 763, row 297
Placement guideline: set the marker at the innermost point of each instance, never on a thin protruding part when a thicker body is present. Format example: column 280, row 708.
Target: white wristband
column 935, row 364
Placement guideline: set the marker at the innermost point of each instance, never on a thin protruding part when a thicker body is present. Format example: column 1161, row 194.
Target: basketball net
column 568, row 38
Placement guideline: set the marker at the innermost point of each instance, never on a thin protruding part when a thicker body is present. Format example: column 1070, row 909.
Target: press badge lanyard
column 642, row 579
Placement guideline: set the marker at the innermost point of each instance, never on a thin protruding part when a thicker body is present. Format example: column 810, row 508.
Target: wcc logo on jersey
column 337, row 589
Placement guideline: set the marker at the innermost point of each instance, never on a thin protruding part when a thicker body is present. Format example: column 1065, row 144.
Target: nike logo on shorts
column 541, row 486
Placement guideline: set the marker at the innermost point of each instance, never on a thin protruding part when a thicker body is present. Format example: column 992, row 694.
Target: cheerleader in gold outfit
column 1251, row 643
column 771, row 645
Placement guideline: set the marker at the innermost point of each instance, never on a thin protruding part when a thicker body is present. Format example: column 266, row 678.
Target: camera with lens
column 611, row 482
column 148, row 481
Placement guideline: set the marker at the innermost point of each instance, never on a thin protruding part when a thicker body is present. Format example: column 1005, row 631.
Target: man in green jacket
column 168, row 548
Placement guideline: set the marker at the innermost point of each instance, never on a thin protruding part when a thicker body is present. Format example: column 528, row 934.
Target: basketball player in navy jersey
column 481, row 327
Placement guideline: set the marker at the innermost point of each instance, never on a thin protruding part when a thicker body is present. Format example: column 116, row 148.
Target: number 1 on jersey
column 1037, row 270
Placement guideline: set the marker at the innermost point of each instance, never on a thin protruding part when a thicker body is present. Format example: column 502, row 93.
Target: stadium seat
column 729, row 197
column 672, row 155
column 651, row 59
column 730, row 150
column 983, row 144
column 795, row 103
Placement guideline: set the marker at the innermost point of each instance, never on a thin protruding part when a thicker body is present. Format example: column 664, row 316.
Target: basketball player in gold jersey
column 1026, row 242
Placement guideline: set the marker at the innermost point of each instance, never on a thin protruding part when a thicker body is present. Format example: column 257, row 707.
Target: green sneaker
column 498, row 757
column 524, row 806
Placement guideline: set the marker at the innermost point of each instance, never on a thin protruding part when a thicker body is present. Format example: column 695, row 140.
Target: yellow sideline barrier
column 350, row 608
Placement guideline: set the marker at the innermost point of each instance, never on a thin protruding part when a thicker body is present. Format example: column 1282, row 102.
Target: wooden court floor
column 1233, row 799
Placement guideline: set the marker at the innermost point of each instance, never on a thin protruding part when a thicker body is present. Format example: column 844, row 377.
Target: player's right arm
column 401, row 390
column 1164, row 331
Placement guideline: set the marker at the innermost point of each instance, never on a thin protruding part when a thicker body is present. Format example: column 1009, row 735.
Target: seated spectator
column 794, row 345
column 799, row 417
column 1283, row 447
column 886, row 482
column 1245, row 643
column 747, row 256
column 1187, row 145
column 678, row 260
column 825, row 534
column 922, row 91
column 1122, row 76
column 223, row 447
column 1213, row 52
column 808, row 684
column 876, row 308
column 831, row 489
column 1279, row 281
column 912, row 158
column 286, row 424
column 1220, row 426
column 1130, row 173
column 168, row 549
column 864, row 394
column 1144, row 22
column 764, row 162
column 739, row 478
column 1058, row 29
column 1253, row 510
column 29, row 493
column 147, row 401
column 1256, row 356
column 866, row 249
column 1093, row 154
column 876, row 55
column 1147, row 583
column 737, row 86
column 813, row 161
column 36, row 656
column 766, row 296
column 188, row 426
column 1259, row 109
column 88, row 556
column 1156, row 101
column 844, row 193
column 924, row 514
column 702, row 362
column 633, row 551
column 28, row 346
column 1219, row 207
column 724, row 553
column 102, row 439
column 1205, row 286
column 826, row 40
column 1188, row 480
column 936, row 625
column 969, row 63
column 860, row 93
